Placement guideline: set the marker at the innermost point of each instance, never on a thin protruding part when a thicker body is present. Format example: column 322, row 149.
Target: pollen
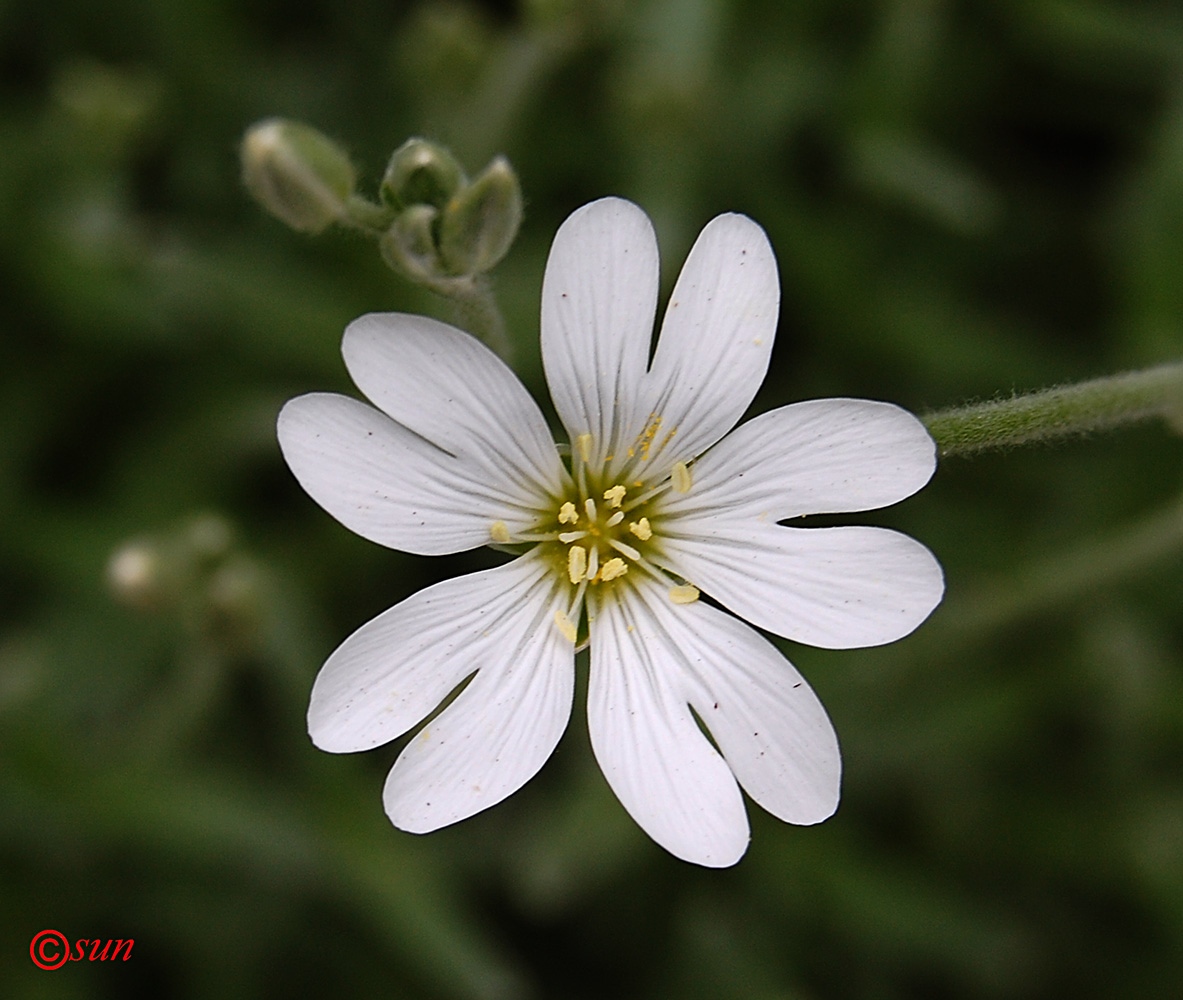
column 567, row 513
column 680, row 478
column 684, row 594
column 565, row 625
column 613, row 568
column 576, row 563
column 499, row 532
column 645, row 439
column 641, row 529
column 615, row 496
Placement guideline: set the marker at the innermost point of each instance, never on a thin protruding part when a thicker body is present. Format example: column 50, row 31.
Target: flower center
column 602, row 537
column 602, row 530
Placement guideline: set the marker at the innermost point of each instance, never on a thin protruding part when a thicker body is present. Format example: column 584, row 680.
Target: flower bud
column 298, row 174
column 409, row 245
column 421, row 173
column 208, row 538
column 136, row 575
column 479, row 224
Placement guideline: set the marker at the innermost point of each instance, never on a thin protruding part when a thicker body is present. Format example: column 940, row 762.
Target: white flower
column 653, row 505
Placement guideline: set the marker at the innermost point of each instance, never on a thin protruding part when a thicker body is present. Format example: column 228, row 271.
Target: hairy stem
column 1060, row 411
column 477, row 312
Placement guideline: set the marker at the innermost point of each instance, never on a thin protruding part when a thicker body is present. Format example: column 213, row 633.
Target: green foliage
column 967, row 200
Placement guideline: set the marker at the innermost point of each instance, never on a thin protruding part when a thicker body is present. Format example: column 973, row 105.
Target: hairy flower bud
column 298, row 174
column 421, row 173
column 479, row 224
column 409, row 245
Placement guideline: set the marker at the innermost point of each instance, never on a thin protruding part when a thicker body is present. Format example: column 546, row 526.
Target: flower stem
column 364, row 215
column 477, row 311
column 1060, row 411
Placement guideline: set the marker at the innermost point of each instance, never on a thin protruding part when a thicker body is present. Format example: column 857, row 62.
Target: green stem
column 1060, row 411
column 362, row 214
column 477, row 311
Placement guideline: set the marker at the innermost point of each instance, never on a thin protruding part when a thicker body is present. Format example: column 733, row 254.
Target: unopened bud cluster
column 433, row 224
column 446, row 225
column 196, row 572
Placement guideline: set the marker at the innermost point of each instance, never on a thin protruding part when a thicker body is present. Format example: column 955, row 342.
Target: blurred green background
column 967, row 198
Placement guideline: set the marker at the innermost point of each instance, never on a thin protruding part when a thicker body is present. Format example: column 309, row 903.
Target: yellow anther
column 576, row 563
column 566, row 626
column 641, row 529
column 684, row 594
column 589, row 505
column 584, row 444
column 612, row 569
column 499, row 532
column 615, row 519
column 568, row 514
column 680, row 478
column 615, row 496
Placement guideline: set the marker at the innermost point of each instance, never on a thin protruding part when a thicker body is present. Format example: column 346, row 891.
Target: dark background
column 967, row 199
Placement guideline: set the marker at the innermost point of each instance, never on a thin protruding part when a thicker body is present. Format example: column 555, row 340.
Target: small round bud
column 409, row 244
column 480, row 223
column 135, row 575
column 236, row 602
column 298, row 174
column 421, row 173
column 208, row 537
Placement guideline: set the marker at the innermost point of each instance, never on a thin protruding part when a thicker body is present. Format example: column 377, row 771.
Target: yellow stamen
column 576, row 563
column 615, row 495
column 641, row 529
column 566, row 626
column 612, row 569
column 567, row 537
column 568, row 514
column 593, row 563
column 584, row 444
column 615, row 519
column 685, row 594
column 499, row 532
column 680, row 478
column 589, row 505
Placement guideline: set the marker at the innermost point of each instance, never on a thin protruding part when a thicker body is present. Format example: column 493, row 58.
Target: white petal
column 832, row 587
column 816, row 457
column 659, row 764
column 599, row 298
column 394, row 670
column 390, row 485
column 448, row 387
column 771, row 727
column 715, row 340
column 501, row 728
